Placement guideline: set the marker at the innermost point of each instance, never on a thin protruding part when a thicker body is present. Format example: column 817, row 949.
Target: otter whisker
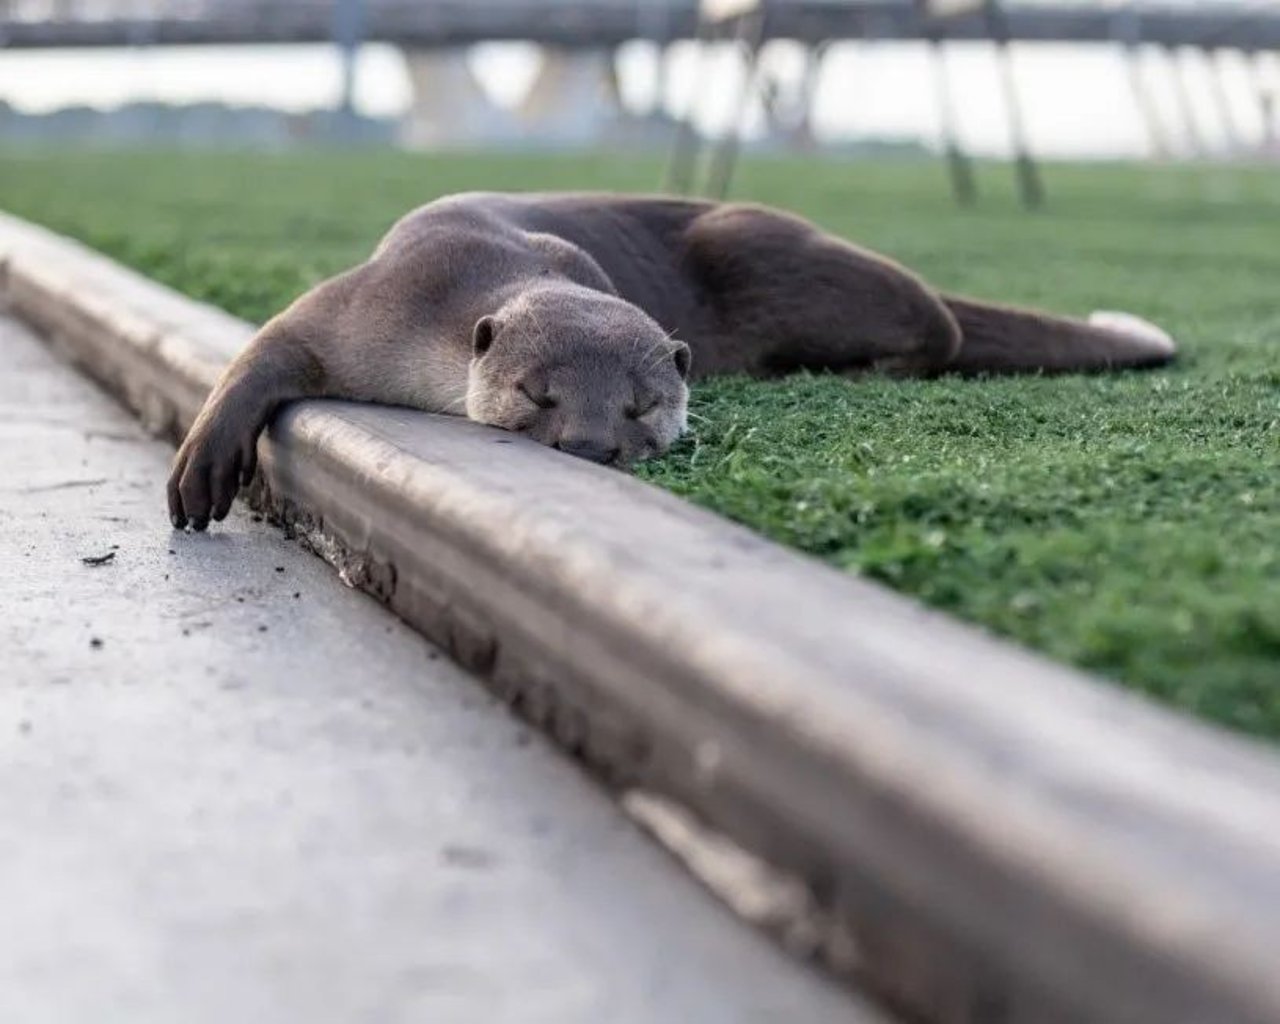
column 537, row 323
column 652, row 355
column 456, row 405
column 657, row 352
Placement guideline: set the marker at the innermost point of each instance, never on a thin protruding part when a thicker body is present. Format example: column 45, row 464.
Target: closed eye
column 541, row 401
column 634, row 412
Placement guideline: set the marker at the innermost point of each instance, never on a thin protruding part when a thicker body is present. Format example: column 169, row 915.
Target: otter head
column 582, row 371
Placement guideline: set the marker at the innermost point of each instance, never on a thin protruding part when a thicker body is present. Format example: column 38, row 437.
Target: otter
column 579, row 319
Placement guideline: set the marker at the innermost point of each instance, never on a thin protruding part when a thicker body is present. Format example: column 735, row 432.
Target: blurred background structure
column 1164, row 79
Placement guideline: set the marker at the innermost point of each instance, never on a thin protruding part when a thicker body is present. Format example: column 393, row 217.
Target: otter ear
column 683, row 358
column 482, row 336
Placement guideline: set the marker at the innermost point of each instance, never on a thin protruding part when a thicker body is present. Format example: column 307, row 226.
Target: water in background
column 1077, row 99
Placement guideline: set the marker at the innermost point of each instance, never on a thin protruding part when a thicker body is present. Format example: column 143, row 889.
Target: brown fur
column 572, row 318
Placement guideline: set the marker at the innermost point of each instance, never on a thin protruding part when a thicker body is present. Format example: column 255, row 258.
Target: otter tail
column 1002, row 339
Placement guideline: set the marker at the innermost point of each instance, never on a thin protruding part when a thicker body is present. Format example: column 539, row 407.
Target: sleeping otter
column 577, row 319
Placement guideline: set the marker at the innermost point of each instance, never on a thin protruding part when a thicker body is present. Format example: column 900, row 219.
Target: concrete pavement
column 233, row 790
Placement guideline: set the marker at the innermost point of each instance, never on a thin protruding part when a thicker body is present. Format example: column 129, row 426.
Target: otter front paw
column 214, row 460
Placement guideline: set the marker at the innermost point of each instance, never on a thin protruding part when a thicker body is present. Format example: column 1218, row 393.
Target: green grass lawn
column 1129, row 524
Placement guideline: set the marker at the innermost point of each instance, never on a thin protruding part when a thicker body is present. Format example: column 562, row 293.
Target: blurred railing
column 1242, row 24
column 410, row 22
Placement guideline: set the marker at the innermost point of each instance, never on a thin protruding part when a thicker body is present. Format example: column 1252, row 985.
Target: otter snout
column 592, row 451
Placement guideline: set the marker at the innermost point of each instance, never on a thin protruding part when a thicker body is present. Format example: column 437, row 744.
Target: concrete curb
column 998, row 838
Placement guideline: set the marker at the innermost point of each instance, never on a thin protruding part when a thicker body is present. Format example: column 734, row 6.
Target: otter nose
column 592, row 451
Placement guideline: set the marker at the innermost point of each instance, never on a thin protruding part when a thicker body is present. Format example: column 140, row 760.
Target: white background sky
column 1078, row 100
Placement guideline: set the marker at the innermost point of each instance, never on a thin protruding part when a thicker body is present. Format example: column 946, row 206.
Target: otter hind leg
column 787, row 297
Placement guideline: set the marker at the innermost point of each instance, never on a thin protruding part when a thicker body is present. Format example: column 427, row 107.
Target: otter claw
column 204, row 482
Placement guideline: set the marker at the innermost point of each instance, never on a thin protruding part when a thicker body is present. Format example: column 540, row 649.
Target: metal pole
column 1229, row 127
column 725, row 156
column 805, row 135
column 1267, row 97
column 651, row 24
column 959, row 168
column 1146, row 107
column 1130, row 34
column 684, row 148
column 348, row 32
column 791, row 118
column 1030, row 187
column 1194, row 139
